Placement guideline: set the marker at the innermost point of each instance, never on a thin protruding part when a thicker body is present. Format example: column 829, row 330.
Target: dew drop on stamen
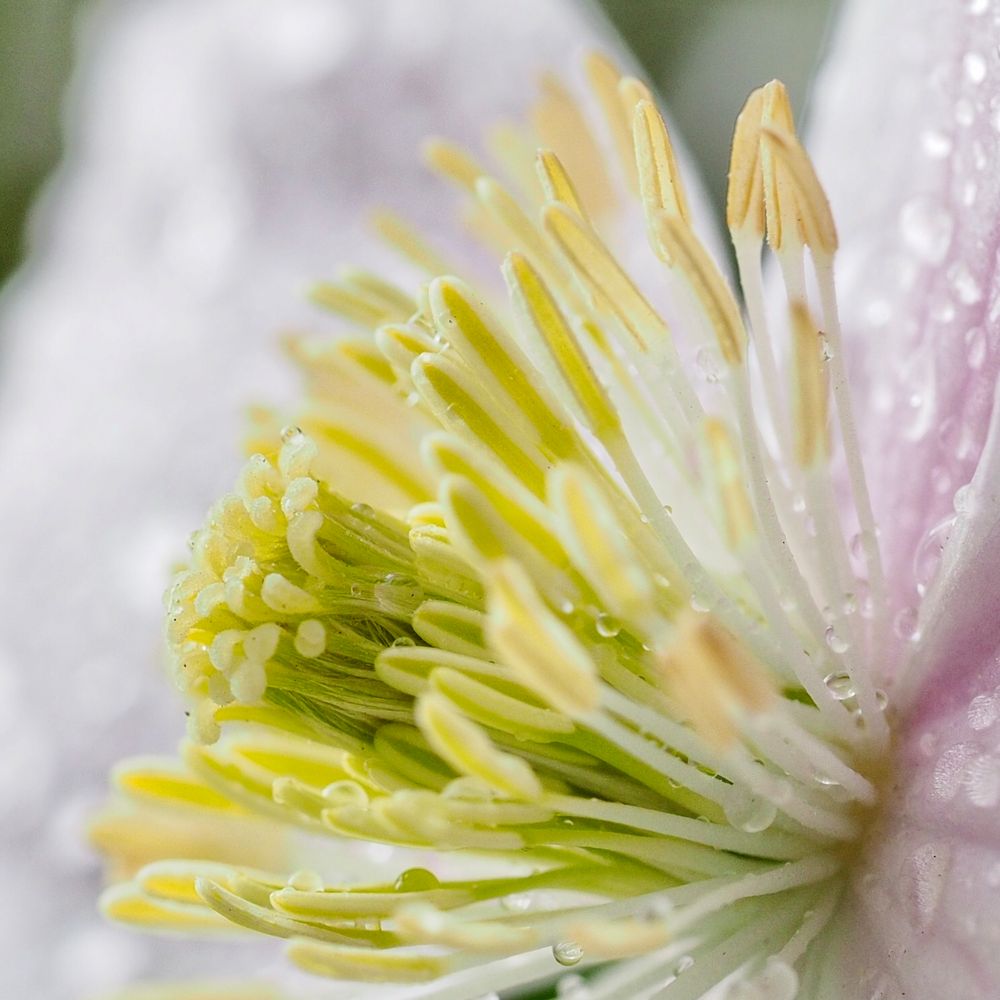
column 567, row 952
column 607, row 627
column 926, row 227
column 516, row 902
column 416, row 880
column 751, row 814
column 707, row 361
column 699, row 604
column 840, row 686
column 835, row 641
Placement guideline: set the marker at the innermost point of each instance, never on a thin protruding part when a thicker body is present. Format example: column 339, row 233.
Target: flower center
column 661, row 718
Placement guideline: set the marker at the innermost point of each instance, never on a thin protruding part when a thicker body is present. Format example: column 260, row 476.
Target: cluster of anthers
column 450, row 609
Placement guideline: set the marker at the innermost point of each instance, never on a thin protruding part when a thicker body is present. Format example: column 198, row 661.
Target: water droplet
column 837, row 643
column 975, row 347
column 567, row 607
column 935, row 144
column 607, row 627
column 881, row 699
column 399, row 595
column 840, row 686
column 699, row 604
column 516, row 902
column 965, row 112
column 826, row 350
column 975, row 67
column 983, row 711
column 290, row 434
column 416, row 880
column 905, row 624
column 966, row 286
column 926, row 227
column 822, row 778
column 403, row 640
column 982, row 781
column 684, row 963
column 567, row 952
column 306, row 880
column 850, row 605
column 751, row 814
column 707, row 360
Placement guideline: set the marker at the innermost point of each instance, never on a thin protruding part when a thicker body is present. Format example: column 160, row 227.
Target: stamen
column 604, row 78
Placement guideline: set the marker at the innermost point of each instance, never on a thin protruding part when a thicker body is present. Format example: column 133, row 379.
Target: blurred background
column 172, row 174
column 703, row 55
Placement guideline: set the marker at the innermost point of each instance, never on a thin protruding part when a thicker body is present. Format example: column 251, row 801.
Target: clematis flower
column 582, row 594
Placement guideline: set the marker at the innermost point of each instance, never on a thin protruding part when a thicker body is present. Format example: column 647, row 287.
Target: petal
column 906, row 141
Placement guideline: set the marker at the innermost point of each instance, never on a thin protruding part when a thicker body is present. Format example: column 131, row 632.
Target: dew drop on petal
column 967, row 288
column 684, row 963
column 975, row 67
column 975, row 347
column 982, row 781
column 567, row 952
column 983, row 711
column 935, row 144
column 926, row 227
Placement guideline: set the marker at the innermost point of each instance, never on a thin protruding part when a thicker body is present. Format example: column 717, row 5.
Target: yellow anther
column 736, row 507
column 688, row 254
column 812, row 443
column 534, row 303
column 465, row 745
column 597, row 268
column 816, row 224
column 513, row 146
column 659, row 179
column 556, row 183
column 781, row 209
column 407, row 241
column 539, row 649
column 562, row 127
column 599, row 547
column 452, row 162
column 714, row 679
column 604, row 78
column 745, row 195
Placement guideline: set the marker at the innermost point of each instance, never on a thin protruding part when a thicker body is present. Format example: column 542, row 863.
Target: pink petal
column 906, row 141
